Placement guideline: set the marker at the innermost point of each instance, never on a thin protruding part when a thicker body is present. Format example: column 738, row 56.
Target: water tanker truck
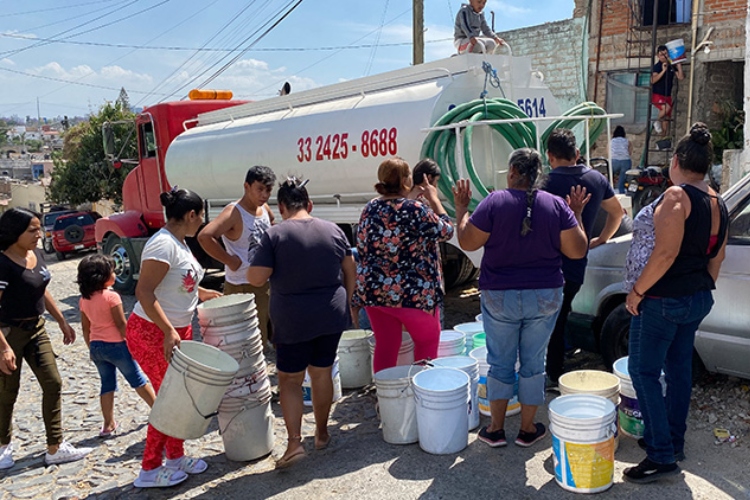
column 336, row 136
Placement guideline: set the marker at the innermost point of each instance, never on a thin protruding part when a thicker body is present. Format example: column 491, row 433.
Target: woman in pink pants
column 398, row 275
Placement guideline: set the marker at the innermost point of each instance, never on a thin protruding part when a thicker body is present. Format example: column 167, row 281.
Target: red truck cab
column 123, row 235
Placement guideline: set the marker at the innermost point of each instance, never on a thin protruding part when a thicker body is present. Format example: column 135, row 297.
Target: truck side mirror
column 108, row 137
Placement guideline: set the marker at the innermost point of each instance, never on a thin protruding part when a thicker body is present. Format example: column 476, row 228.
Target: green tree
column 82, row 173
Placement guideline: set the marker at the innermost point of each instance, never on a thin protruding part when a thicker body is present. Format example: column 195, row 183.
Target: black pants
column 556, row 348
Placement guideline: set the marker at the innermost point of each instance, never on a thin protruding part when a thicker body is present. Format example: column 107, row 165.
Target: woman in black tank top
column 669, row 300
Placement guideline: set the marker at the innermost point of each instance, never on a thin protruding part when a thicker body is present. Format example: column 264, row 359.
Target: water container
column 335, row 379
column 676, row 49
column 514, row 407
column 479, row 340
column 226, row 310
column 470, row 366
column 246, row 427
column 191, row 391
column 451, row 343
column 479, row 318
column 629, row 412
column 442, row 399
column 218, row 336
column 595, row 383
column 398, row 410
column 583, row 443
column 354, row 355
column 470, row 328
column 405, row 352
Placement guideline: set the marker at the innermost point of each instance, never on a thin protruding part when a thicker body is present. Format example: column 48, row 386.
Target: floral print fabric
column 644, row 240
column 399, row 266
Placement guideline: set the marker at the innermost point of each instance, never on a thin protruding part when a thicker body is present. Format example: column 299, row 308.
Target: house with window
column 623, row 36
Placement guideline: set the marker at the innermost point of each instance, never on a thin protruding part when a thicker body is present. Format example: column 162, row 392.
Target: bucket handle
column 222, row 431
column 422, row 362
column 192, row 400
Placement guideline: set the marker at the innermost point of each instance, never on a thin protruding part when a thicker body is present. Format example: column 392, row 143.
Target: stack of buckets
column 595, row 383
column 230, row 323
column 470, row 330
column 514, row 407
column 629, row 412
column 192, row 389
column 405, row 352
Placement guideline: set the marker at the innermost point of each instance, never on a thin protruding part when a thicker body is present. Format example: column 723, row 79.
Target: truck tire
column 74, row 233
column 458, row 271
column 615, row 335
column 124, row 280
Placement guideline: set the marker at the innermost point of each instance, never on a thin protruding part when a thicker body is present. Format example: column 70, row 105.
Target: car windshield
column 50, row 218
column 81, row 220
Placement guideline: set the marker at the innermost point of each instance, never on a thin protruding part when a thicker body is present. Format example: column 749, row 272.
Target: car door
column 723, row 339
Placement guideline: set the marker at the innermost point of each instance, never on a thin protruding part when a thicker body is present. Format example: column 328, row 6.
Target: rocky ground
column 358, row 462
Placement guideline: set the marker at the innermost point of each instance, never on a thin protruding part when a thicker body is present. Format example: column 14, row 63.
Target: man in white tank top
column 240, row 226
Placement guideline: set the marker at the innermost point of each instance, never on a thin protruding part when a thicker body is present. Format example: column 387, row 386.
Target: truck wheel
column 615, row 335
column 124, row 280
column 458, row 271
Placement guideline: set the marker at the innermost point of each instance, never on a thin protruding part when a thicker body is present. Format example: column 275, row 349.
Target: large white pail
column 226, row 310
column 246, row 427
column 355, row 365
column 398, row 410
column 442, row 398
column 191, row 391
column 470, row 366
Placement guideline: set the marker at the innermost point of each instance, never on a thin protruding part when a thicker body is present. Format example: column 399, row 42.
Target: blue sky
column 73, row 55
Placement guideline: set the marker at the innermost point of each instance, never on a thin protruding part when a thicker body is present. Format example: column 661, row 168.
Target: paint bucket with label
column 676, row 49
column 595, row 383
column 514, row 407
column 583, row 444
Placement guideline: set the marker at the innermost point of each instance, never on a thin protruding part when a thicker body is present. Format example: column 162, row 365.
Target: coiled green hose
column 440, row 145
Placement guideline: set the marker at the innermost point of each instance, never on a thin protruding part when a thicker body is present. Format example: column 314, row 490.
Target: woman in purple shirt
column 524, row 232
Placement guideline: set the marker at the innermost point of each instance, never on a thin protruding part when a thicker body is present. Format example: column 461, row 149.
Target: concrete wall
column 27, row 196
column 556, row 50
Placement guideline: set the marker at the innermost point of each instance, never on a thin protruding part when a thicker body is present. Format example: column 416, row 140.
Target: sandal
column 112, row 432
column 295, row 457
column 190, row 465
column 163, row 479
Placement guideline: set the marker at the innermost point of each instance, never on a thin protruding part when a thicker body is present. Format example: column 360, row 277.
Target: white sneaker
column 6, row 457
column 66, row 453
column 657, row 127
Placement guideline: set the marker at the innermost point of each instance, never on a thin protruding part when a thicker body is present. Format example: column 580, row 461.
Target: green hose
column 440, row 145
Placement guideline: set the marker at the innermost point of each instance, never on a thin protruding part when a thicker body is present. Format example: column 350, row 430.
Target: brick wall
column 555, row 49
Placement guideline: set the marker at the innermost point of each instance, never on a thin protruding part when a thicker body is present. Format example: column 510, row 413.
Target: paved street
column 358, row 462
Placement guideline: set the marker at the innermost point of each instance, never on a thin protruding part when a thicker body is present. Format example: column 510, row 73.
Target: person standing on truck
column 524, row 232
column 168, row 294
column 672, row 265
column 662, row 79
column 563, row 154
column 398, row 275
column 309, row 262
column 240, row 226
column 23, row 299
column 470, row 24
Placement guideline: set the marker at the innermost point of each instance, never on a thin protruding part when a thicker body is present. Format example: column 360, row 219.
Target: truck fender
column 608, row 298
column 125, row 225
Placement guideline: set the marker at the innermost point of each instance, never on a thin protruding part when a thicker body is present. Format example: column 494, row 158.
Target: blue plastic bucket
column 676, row 49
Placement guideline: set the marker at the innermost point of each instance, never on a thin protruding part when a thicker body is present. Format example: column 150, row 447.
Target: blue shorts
column 112, row 356
column 319, row 352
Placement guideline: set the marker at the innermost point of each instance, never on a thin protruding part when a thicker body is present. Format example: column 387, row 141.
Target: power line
column 92, row 85
column 377, row 40
column 54, row 8
column 217, row 49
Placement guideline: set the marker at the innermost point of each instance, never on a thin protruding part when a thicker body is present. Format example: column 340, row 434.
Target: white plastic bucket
column 354, row 355
column 479, row 318
column 451, row 343
column 442, row 399
column 514, row 407
column 595, row 383
column 470, row 366
column 218, row 336
column 676, row 49
column 191, row 390
column 246, row 427
column 226, row 310
column 335, row 378
column 251, row 383
column 397, row 407
column 405, row 352
column 583, row 430
column 470, row 328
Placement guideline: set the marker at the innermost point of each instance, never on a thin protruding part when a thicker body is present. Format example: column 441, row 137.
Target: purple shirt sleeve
column 482, row 216
column 567, row 217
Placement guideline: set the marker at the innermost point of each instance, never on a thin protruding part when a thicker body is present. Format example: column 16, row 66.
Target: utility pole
column 418, row 31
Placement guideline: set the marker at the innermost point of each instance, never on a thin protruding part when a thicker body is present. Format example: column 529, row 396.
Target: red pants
column 387, row 324
column 146, row 345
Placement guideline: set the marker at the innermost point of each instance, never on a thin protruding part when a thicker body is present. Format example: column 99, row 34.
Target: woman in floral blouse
column 398, row 276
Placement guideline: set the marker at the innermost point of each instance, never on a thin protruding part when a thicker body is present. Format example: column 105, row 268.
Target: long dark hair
column 695, row 151
column 426, row 167
column 179, row 202
column 93, row 272
column 13, row 223
column 528, row 163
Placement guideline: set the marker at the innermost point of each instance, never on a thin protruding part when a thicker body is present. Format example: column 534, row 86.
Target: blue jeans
column 112, row 356
column 619, row 167
column 518, row 324
column 661, row 337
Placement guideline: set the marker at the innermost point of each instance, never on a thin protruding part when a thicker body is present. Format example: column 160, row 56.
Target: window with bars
column 668, row 12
